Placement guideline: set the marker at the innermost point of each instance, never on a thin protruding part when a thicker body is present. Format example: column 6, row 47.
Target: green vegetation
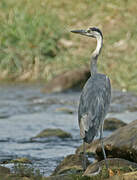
column 35, row 42
column 116, row 174
column 22, row 172
column 25, row 171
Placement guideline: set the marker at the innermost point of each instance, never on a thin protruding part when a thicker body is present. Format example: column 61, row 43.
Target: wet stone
column 53, row 133
column 21, row 160
column 121, row 143
column 71, row 164
column 65, row 110
column 17, row 160
column 113, row 123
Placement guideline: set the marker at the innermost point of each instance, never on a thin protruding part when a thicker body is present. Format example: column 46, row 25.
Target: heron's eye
column 88, row 31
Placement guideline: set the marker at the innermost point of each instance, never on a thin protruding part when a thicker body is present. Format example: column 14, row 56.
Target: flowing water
column 25, row 111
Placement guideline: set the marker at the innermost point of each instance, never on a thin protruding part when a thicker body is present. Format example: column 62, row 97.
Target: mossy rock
column 21, row 160
column 71, row 164
column 113, row 123
column 53, row 133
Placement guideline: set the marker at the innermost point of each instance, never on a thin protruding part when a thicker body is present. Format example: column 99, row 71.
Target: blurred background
column 35, row 47
column 36, row 43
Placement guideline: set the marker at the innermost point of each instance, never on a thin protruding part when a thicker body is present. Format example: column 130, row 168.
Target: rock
column 117, row 166
column 65, row 110
column 21, row 160
column 133, row 108
column 90, row 148
column 119, row 152
column 122, row 143
column 53, row 132
column 4, row 173
column 18, row 160
column 130, row 175
column 4, row 170
column 113, row 123
column 71, row 164
column 67, row 80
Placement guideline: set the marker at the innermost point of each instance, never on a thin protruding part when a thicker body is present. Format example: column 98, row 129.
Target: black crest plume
column 97, row 30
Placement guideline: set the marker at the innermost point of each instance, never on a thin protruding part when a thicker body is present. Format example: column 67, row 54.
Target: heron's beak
column 83, row 32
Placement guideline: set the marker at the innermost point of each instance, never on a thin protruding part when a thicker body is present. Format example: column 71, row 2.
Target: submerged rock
column 122, row 143
column 113, row 123
column 53, row 133
column 71, row 164
column 65, row 110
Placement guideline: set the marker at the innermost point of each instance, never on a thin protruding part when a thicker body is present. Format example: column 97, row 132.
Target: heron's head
column 91, row 32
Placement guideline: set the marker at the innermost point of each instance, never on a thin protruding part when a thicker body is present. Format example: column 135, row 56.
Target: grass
column 25, row 171
column 35, row 42
column 22, row 172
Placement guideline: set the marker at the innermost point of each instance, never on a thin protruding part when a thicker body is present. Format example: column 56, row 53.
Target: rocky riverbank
column 121, row 151
column 39, row 130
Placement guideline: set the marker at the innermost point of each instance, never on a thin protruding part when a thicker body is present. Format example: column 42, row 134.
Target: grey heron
column 95, row 97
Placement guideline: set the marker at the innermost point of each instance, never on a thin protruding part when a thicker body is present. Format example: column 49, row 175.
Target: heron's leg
column 84, row 156
column 102, row 145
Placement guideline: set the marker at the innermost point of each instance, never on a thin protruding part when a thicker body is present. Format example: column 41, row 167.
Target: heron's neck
column 95, row 55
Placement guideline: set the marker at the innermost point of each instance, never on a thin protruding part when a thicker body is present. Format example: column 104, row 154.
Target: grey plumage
column 94, row 104
column 95, row 97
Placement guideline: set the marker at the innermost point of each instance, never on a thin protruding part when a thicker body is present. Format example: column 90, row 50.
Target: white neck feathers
column 96, row 54
column 99, row 46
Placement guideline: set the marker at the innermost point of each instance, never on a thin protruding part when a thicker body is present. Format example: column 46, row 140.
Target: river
column 25, row 111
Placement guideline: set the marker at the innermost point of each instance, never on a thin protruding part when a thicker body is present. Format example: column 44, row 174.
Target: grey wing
column 93, row 107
